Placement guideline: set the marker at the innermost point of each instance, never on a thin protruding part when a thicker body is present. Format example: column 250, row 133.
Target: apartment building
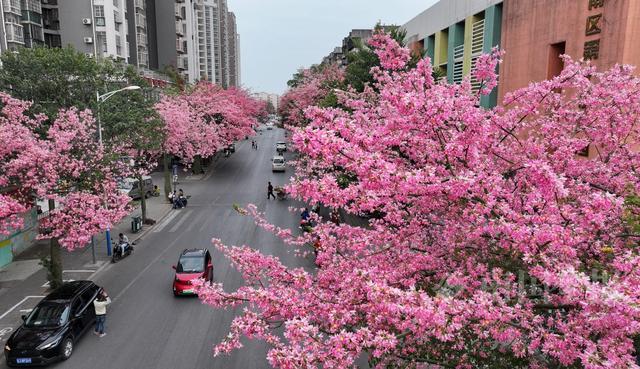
column 223, row 30
column 232, row 41
column 97, row 28
column 350, row 42
column 196, row 37
column 138, row 38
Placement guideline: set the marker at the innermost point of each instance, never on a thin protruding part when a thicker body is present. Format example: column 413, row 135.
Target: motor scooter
column 118, row 254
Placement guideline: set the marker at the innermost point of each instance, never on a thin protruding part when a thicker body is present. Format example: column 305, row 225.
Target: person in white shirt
column 100, row 305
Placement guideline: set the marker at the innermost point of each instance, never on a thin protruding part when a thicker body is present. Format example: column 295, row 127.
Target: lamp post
column 100, row 99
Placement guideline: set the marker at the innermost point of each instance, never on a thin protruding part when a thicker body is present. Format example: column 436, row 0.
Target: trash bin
column 136, row 224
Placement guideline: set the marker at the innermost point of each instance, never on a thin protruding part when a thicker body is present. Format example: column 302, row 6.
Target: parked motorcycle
column 118, row 252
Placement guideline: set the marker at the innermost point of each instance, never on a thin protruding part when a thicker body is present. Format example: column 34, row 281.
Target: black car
column 51, row 330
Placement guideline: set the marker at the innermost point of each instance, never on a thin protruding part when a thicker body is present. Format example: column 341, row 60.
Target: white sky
column 279, row 36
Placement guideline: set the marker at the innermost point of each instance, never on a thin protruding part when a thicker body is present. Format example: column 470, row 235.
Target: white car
column 269, row 126
column 281, row 146
column 277, row 164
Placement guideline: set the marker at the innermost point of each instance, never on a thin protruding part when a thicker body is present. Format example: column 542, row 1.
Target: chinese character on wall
column 596, row 4
column 593, row 25
column 591, row 49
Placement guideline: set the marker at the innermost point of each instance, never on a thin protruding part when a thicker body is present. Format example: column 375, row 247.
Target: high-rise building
column 132, row 31
column 232, row 41
column 223, row 30
column 137, row 32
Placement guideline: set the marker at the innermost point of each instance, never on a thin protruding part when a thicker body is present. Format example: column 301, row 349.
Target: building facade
column 137, row 32
column 22, row 24
column 203, row 45
column 350, row 42
column 534, row 34
column 268, row 97
column 232, row 41
column 454, row 33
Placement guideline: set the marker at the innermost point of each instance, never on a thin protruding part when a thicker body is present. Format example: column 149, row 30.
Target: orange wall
column 530, row 27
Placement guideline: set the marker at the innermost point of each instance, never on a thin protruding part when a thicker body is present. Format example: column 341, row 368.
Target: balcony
column 178, row 11
column 141, row 21
column 139, row 4
column 180, row 46
column 15, row 33
column 141, row 39
column 12, row 6
column 183, row 63
column 179, row 29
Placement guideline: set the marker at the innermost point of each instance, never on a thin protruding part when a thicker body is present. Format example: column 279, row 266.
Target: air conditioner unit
column 89, row 55
column 86, row 20
column 88, row 40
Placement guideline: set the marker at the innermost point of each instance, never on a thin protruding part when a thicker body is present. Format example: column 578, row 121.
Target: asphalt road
column 147, row 327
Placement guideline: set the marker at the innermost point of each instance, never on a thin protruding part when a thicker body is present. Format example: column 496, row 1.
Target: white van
column 130, row 186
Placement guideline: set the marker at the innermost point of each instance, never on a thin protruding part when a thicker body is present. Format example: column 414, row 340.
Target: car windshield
column 49, row 314
column 190, row 264
column 278, row 161
column 125, row 184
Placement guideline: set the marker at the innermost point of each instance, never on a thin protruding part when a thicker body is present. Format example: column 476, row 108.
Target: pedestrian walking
column 100, row 305
column 270, row 191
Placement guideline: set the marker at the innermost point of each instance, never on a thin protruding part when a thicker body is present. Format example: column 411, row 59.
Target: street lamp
column 100, row 99
column 103, row 98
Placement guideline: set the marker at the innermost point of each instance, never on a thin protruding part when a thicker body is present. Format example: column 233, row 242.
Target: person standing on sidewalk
column 270, row 191
column 100, row 305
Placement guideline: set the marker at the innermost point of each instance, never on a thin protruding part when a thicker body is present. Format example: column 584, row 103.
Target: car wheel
column 67, row 348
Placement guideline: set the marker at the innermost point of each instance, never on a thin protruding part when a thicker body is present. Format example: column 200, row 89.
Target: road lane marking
column 144, row 271
column 79, row 271
column 18, row 304
column 182, row 219
column 165, row 222
column 63, row 281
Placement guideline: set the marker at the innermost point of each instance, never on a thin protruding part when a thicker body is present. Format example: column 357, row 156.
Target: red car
column 192, row 264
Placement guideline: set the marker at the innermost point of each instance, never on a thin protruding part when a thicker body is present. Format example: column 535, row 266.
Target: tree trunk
column 197, row 165
column 167, row 175
column 54, row 269
column 143, row 199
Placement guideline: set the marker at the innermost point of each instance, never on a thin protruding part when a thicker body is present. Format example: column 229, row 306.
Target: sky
column 277, row 37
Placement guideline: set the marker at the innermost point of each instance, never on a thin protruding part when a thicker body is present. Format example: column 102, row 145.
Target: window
column 52, row 40
column 101, row 41
column 118, row 46
column 98, row 12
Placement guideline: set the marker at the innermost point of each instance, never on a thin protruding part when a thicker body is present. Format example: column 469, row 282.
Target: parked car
column 281, row 146
column 192, row 264
column 49, row 333
column 131, row 187
column 278, row 164
column 232, row 147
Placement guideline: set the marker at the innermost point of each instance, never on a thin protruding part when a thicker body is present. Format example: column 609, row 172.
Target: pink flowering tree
column 61, row 163
column 311, row 88
column 206, row 119
column 496, row 244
